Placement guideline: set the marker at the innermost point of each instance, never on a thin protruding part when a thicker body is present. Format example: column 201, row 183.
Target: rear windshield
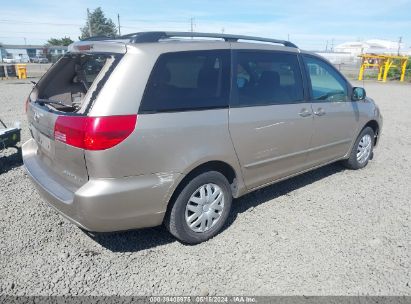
column 66, row 85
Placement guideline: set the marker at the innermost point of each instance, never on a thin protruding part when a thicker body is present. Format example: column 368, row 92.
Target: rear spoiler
column 101, row 46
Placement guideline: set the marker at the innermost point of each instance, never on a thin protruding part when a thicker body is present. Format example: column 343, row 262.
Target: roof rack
column 145, row 37
column 97, row 38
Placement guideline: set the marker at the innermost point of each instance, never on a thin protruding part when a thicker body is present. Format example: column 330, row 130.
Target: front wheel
column 201, row 208
column 362, row 150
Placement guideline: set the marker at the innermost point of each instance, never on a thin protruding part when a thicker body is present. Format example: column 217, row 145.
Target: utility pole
column 192, row 24
column 399, row 46
column 119, row 27
column 288, row 37
column 332, row 45
column 326, row 46
column 25, row 40
column 89, row 24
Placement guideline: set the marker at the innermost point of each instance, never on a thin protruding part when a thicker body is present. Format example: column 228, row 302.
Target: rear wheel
column 201, row 208
column 362, row 150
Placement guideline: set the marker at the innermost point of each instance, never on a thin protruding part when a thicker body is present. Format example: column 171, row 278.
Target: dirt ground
column 328, row 232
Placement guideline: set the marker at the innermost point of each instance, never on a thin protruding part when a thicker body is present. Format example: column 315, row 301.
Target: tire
column 354, row 162
column 202, row 206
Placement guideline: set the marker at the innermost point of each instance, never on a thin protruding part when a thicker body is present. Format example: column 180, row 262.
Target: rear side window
column 266, row 78
column 185, row 81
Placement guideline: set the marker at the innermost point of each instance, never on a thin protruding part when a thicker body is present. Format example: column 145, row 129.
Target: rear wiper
column 43, row 102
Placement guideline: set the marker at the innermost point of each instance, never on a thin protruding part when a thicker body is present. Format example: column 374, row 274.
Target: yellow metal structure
column 21, row 71
column 384, row 63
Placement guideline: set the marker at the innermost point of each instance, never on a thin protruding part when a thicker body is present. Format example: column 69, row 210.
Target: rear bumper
column 103, row 204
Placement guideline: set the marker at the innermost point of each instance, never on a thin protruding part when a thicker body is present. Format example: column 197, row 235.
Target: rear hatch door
column 63, row 161
column 61, row 99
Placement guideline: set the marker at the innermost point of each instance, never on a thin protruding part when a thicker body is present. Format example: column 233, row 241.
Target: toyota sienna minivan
column 167, row 128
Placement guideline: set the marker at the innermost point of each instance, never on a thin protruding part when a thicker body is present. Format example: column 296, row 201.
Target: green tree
column 99, row 25
column 65, row 41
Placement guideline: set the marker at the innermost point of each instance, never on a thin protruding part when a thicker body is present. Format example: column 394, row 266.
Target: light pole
column 119, row 26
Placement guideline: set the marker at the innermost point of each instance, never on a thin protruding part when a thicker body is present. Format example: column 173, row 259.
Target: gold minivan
column 167, row 128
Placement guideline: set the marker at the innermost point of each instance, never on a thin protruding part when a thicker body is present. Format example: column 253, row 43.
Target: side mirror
column 358, row 94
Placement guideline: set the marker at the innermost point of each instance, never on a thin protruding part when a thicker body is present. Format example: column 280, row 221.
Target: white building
column 22, row 53
column 339, row 57
column 373, row 46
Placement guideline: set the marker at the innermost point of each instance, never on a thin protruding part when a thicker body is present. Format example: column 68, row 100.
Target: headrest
column 269, row 78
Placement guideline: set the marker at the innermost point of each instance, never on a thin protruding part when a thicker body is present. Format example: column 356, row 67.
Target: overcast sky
column 309, row 24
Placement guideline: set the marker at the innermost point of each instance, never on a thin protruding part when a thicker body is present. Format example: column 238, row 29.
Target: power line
column 15, row 21
column 13, row 37
column 36, row 22
column 151, row 20
column 178, row 24
column 25, row 32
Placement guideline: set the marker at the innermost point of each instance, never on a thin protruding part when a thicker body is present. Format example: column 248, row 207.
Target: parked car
column 43, row 60
column 9, row 60
column 20, row 59
column 39, row 60
column 164, row 130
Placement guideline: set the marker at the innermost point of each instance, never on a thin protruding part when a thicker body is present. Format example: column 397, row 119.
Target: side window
column 266, row 78
column 188, row 81
column 326, row 83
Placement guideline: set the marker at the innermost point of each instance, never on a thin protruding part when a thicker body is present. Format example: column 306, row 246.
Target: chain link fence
column 350, row 70
column 34, row 70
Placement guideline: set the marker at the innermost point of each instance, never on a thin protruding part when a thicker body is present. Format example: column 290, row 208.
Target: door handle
column 304, row 113
column 320, row 112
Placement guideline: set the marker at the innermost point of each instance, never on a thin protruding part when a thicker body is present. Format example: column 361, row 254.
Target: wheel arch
column 373, row 124
column 224, row 168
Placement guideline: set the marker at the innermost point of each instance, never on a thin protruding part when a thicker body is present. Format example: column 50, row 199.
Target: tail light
column 94, row 133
